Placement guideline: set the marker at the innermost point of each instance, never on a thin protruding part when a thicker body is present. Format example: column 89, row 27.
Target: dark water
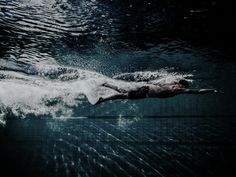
column 49, row 48
column 179, row 146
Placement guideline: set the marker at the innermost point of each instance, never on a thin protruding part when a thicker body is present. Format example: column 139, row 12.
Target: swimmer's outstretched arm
column 196, row 91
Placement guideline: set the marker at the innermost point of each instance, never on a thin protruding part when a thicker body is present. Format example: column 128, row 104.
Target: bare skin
column 149, row 90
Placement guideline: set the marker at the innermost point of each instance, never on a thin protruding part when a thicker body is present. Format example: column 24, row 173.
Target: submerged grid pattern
column 123, row 146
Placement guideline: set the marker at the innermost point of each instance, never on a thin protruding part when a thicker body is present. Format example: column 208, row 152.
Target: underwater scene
column 117, row 88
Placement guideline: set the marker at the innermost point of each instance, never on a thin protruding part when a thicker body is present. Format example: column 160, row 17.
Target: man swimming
column 145, row 90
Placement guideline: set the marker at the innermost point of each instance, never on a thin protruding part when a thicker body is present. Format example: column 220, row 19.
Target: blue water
column 50, row 49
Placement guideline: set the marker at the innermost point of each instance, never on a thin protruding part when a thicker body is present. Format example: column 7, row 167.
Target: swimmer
column 145, row 90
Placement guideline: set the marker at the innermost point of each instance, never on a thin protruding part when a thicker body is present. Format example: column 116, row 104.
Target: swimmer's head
column 184, row 83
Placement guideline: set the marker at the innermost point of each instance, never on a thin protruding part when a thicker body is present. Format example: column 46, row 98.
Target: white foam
column 154, row 77
column 38, row 96
column 22, row 94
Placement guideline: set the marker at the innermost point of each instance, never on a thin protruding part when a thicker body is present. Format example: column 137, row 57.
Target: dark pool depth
column 183, row 146
column 121, row 146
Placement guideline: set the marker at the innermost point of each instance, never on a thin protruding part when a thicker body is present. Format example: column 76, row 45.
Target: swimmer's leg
column 113, row 87
column 112, row 97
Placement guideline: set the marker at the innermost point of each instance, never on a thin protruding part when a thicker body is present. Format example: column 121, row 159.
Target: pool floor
column 119, row 146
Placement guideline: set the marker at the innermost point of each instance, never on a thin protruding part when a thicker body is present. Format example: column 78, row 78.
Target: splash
column 155, row 77
column 56, row 91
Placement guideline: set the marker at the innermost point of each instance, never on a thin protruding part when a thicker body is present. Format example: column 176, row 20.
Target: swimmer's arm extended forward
column 196, row 91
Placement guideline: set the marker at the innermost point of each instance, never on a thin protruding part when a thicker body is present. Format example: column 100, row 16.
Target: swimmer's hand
column 218, row 91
